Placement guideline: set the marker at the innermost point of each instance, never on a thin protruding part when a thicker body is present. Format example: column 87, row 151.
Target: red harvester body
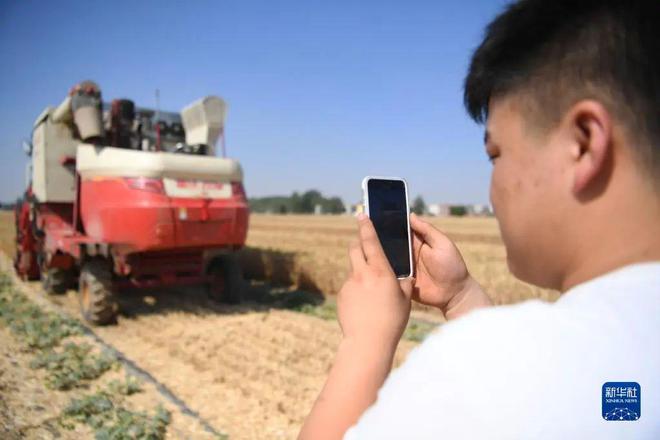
column 130, row 197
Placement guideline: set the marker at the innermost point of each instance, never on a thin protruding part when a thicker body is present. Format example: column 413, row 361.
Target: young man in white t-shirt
column 569, row 92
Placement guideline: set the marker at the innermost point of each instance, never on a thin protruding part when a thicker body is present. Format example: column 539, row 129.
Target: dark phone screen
column 389, row 214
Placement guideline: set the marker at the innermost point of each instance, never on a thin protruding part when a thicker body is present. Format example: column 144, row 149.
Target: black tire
column 227, row 285
column 55, row 281
column 97, row 302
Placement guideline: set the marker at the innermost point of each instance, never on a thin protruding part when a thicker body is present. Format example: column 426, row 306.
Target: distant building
column 479, row 210
column 438, row 209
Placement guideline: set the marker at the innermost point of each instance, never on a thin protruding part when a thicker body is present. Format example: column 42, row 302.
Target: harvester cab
column 124, row 196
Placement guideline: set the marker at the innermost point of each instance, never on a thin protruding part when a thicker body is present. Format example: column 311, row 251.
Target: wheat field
column 7, row 232
column 311, row 252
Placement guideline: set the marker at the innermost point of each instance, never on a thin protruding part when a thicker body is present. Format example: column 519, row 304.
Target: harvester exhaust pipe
column 83, row 105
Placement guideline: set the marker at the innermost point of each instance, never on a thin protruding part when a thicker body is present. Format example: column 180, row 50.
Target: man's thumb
column 425, row 230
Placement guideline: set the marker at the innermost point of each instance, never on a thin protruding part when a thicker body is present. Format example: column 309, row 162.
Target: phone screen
column 388, row 211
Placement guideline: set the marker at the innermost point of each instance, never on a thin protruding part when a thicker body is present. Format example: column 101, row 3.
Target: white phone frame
column 365, row 201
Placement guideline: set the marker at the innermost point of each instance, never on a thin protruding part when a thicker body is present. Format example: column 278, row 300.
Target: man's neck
column 617, row 237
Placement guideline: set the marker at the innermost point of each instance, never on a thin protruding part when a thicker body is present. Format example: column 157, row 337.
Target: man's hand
column 442, row 278
column 373, row 306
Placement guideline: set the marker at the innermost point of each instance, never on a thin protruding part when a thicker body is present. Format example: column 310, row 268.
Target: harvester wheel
column 55, row 281
column 97, row 302
column 227, row 284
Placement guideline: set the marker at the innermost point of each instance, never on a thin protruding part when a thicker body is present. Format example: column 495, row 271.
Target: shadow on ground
column 273, row 281
column 278, row 267
column 259, row 296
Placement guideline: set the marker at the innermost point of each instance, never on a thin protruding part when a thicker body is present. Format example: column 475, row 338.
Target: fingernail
column 361, row 216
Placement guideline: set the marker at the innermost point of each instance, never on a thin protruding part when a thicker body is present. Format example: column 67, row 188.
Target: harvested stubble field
column 253, row 370
column 311, row 252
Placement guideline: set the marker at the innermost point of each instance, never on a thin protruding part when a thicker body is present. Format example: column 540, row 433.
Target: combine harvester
column 122, row 196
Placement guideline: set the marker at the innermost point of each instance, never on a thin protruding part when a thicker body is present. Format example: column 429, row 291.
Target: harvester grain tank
column 124, row 196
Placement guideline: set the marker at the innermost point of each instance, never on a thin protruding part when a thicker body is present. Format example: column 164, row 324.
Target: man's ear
column 590, row 127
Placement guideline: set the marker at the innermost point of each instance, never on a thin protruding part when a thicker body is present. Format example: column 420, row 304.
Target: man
column 570, row 94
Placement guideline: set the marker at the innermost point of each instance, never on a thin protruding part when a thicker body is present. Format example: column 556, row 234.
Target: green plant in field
column 5, row 281
column 129, row 425
column 73, row 366
column 43, row 331
column 91, row 410
column 128, row 387
column 38, row 329
column 110, row 421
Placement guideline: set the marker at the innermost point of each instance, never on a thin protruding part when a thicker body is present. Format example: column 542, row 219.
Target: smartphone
column 386, row 204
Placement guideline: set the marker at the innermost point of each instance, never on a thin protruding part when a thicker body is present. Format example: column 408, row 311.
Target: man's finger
column 417, row 242
column 407, row 286
column 426, row 231
column 356, row 256
column 371, row 246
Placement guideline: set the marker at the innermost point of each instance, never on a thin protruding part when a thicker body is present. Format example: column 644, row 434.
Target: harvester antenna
column 157, row 120
column 157, row 104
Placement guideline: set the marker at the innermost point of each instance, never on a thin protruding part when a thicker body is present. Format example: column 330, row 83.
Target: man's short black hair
column 557, row 52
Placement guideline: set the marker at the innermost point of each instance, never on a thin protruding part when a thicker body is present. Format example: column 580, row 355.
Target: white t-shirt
column 532, row 370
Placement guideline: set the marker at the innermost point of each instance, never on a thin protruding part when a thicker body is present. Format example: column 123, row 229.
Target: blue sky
column 320, row 93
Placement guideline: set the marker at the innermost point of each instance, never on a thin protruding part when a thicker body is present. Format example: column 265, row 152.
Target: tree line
column 296, row 203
